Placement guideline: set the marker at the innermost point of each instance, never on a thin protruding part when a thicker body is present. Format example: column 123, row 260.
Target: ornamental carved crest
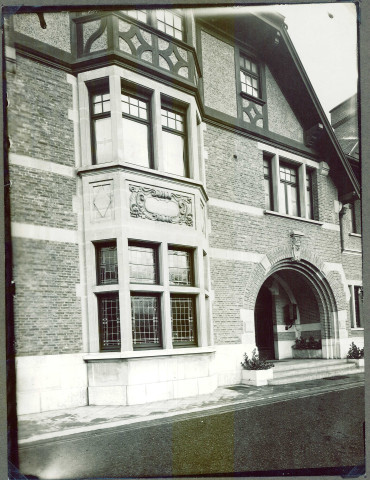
column 296, row 245
column 161, row 205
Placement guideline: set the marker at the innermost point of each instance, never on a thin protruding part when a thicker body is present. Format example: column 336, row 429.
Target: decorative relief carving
column 102, row 201
column 161, row 205
column 296, row 245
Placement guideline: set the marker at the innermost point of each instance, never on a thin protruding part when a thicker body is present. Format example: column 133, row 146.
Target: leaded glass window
column 146, row 326
column 143, row 264
column 183, row 320
column 107, row 270
column 110, row 332
column 180, row 264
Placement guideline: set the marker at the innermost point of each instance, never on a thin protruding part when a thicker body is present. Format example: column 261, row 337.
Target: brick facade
column 64, row 206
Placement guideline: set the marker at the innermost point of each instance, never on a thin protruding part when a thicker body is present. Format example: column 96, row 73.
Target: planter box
column 257, row 377
column 359, row 362
column 307, row 353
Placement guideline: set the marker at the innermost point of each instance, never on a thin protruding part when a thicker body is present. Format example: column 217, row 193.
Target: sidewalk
column 62, row 423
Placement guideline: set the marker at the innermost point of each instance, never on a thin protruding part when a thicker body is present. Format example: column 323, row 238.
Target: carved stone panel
column 102, row 201
column 161, row 205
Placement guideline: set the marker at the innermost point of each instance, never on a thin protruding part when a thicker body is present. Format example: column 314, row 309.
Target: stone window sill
column 355, row 235
column 301, row 219
column 357, row 329
column 146, row 353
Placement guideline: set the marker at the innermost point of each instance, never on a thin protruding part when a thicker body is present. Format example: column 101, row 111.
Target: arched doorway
column 263, row 323
column 291, row 303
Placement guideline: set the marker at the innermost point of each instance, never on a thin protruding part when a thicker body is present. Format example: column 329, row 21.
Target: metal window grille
column 110, row 331
column 146, row 328
column 182, row 318
column 107, row 265
column 143, row 264
column 180, row 267
column 170, row 23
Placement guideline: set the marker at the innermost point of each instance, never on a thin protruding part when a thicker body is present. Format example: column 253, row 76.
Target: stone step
column 285, row 365
column 322, row 368
column 314, row 375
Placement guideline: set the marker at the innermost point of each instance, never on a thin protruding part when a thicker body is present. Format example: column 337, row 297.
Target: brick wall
column 39, row 98
column 241, row 180
column 47, row 311
column 42, row 198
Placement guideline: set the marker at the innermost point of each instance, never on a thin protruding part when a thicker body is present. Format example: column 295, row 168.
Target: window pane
column 268, row 205
column 183, row 322
column 173, row 153
column 180, row 267
column 103, row 140
column 101, row 103
column 110, row 335
column 293, row 207
column 358, row 307
column 135, row 142
column 143, row 267
column 145, row 320
column 107, row 265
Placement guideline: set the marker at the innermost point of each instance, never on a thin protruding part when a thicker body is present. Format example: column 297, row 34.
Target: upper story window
column 288, row 186
column 249, row 77
column 289, row 199
column 309, row 194
column 143, row 264
column 180, row 264
column 107, row 271
column 174, row 142
column 102, row 127
column 269, row 205
column 168, row 21
column 136, row 135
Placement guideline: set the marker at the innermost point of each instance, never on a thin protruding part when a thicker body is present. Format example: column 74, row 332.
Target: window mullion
column 116, row 116
column 302, row 183
column 157, row 132
column 166, row 308
column 124, row 294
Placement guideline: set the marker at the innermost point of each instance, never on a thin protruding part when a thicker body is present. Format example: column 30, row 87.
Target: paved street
column 322, row 430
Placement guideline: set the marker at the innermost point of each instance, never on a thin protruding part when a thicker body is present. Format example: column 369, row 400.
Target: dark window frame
column 268, row 177
column 194, row 298
column 138, row 93
column 100, row 298
column 287, row 182
column 98, row 248
column 148, row 346
column 97, row 87
column 155, row 247
column 309, row 193
column 191, row 252
column 253, row 75
column 178, row 108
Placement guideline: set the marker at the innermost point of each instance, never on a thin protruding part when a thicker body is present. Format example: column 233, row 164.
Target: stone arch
column 328, row 286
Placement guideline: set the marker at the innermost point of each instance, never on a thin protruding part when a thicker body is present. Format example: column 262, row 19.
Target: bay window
column 146, row 324
column 173, row 136
column 183, row 320
column 102, row 127
column 136, row 130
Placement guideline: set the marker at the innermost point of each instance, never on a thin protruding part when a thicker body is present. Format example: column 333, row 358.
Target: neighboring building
column 177, row 199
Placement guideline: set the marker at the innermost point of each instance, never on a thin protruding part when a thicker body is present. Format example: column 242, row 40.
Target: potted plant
column 256, row 371
column 307, row 348
column 355, row 355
